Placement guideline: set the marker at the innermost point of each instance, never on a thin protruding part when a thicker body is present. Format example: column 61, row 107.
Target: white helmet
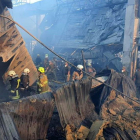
column 46, row 56
column 26, row 70
column 88, row 64
column 11, row 73
column 80, row 67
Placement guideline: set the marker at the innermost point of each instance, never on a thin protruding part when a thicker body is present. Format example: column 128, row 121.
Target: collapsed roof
column 75, row 24
column 81, row 25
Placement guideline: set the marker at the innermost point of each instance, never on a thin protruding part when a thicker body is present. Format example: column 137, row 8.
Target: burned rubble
column 78, row 109
column 105, row 108
column 84, row 112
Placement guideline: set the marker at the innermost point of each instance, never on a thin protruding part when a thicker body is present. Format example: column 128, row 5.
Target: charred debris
column 85, row 109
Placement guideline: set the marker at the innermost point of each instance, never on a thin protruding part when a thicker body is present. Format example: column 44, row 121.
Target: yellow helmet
column 11, row 73
column 41, row 69
column 38, row 54
column 26, row 70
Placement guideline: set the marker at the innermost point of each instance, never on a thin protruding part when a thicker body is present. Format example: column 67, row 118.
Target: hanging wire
column 70, row 62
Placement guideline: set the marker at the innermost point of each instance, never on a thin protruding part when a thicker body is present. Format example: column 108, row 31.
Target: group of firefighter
column 20, row 86
column 67, row 73
column 46, row 71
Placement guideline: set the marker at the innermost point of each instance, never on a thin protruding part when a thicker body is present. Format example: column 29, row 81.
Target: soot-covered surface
column 55, row 130
column 3, row 68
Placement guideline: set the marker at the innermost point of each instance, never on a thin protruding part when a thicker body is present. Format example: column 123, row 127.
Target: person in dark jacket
column 51, row 71
column 25, row 83
column 38, row 61
column 14, row 82
column 46, row 61
column 66, row 72
column 91, row 70
column 124, row 72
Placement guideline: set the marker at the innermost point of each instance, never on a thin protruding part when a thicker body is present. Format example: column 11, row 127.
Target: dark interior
column 3, row 69
column 95, row 95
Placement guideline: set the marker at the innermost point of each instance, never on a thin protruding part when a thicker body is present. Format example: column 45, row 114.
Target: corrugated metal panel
column 74, row 104
column 12, row 44
column 31, row 115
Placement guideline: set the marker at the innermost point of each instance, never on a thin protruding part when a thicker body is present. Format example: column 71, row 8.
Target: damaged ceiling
column 74, row 24
column 87, row 23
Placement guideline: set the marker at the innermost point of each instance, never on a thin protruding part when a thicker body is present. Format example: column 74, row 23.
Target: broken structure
column 13, row 53
column 70, row 25
column 94, row 113
column 97, row 113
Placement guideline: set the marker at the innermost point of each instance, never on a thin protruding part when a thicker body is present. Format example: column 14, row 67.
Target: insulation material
column 31, row 115
column 12, row 45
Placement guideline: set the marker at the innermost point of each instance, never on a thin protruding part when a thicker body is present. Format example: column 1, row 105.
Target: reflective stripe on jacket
column 43, row 84
column 15, row 82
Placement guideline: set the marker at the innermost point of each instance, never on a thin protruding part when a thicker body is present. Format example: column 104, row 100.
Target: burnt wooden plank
column 7, row 127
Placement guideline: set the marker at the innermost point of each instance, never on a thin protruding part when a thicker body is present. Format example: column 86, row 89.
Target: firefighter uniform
column 14, row 82
column 46, row 61
column 25, row 83
column 24, row 80
column 78, row 74
column 42, row 84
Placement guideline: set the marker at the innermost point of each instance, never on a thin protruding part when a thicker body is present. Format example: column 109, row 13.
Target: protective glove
column 22, row 88
column 12, row 91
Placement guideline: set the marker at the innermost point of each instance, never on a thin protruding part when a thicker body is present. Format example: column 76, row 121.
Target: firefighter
column 38, row 61
column 66, row 72
column 46, row 61
column 14, row 82
column 124, row 72
column 42, row 84
column 91, row 70
column 51, row 71
column 77, row 74
column 25, row 82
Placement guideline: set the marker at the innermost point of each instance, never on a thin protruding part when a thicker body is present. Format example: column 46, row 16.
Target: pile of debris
column 84, row 112
column 103, row 113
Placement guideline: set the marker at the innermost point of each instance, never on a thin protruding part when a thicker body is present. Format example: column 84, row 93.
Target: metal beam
column 130, row 33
